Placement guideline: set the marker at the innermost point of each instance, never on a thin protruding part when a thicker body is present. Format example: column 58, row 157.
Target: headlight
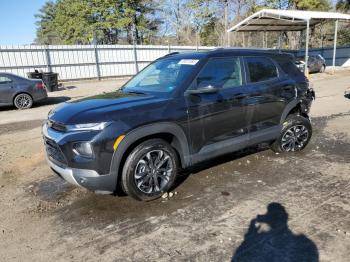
column 87, row 127
column 83, row 149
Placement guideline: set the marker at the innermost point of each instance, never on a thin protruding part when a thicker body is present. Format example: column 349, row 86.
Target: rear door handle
column 287, row 87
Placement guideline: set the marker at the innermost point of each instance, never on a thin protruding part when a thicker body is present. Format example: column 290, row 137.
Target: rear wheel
column 295, row 135
column 150, row 170
column 23, row 101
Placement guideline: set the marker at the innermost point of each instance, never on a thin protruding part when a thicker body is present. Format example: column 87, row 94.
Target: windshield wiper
column 134, row 92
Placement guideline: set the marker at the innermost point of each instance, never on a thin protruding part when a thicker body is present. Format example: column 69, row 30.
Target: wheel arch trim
column 145, row 131
column 289, row 107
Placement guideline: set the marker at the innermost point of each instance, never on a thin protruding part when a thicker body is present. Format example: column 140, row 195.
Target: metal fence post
column 335, row 44
column 98, row 71
column 48, row 59
column 306, row 69
column 135, row 59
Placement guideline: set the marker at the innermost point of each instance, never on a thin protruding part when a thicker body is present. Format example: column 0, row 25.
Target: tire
column 322, row 69
column 141, row 178
column 23, row 101
column 295, row 135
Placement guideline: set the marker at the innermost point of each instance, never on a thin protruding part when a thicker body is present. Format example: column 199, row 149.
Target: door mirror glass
column 204, row 88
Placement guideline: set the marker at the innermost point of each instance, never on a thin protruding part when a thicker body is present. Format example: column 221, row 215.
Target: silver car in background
column 316, row 63
column 20, row 92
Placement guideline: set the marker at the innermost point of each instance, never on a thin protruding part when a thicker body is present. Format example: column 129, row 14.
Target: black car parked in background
column 180, row 110
column 315, row 63
column 19, row 91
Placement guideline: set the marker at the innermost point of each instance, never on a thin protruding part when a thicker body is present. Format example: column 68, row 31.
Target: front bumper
column 86, row 178
column 40, row 96
column 78, row 176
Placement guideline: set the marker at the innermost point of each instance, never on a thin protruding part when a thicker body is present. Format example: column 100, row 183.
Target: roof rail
column 172, row 53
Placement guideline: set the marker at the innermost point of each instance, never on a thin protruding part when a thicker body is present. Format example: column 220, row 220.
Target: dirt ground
column 252, row 205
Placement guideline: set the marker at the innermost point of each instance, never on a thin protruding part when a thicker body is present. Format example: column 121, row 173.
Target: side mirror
column 203, row 89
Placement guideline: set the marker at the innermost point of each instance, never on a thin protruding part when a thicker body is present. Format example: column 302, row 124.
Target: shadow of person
column 269, row 239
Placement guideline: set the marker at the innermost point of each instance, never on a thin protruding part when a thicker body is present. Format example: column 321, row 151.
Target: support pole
column 226, row 22
column 135, row 58
column 335, row 43
column 279, row 41
column 263, row 38
column 97, row 62
column 48, row 59
column 306, row 69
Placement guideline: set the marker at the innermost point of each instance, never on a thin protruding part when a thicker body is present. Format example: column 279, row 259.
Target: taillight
column 40, row 85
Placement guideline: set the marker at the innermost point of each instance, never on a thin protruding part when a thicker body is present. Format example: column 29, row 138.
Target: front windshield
column 161, row 76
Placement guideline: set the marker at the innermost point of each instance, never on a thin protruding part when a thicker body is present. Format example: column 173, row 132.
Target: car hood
column 100, row 108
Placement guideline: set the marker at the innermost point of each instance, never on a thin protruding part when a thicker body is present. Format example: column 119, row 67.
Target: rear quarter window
column 288, row 66
column 260, row 69
column 4, row 79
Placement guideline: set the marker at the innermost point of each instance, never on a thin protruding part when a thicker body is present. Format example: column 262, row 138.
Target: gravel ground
column 252, row 205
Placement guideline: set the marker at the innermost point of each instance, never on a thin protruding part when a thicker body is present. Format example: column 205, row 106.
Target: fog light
column 83, row 149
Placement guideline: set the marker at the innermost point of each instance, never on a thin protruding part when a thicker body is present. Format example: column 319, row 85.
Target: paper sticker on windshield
column 188, row 61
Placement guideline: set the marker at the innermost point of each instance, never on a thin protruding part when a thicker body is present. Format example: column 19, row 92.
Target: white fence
column 83, row 61
column 90, row 61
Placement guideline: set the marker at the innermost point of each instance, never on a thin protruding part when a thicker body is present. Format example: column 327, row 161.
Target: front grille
column 54, row 152
column 57, row 126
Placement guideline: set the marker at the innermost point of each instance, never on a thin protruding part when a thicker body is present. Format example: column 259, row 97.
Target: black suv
column 182, row 109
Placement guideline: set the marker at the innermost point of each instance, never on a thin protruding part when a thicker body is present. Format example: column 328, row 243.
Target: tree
column 203, row 15
column 320, row 5
column 46, row 33
column 105, row 21
column 73, row 22
column 176, row 27
column 344, row 31
column 343, row 5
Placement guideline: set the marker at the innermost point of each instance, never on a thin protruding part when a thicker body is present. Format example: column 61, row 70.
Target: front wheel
column 295, row 135
column 150, row 170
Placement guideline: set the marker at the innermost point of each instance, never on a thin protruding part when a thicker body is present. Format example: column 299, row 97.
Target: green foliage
column 207, row 34
column 46, row 32
column 344, row 36
column 187, row 22
column 320, row 5
column 106, row 21
column 343, row 5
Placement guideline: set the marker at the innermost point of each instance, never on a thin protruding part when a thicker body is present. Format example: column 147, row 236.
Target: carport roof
column 285, row 20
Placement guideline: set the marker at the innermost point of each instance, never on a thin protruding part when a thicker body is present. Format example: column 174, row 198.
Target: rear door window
column 260, row 69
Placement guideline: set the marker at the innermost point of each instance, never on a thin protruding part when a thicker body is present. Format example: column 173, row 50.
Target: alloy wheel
column 294, row 138
column 23, row 101
column 153, row 171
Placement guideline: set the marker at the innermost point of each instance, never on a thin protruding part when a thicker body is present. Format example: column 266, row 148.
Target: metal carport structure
column 274, row 20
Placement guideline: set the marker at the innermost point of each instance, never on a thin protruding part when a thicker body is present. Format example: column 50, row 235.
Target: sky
column 17, row 21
